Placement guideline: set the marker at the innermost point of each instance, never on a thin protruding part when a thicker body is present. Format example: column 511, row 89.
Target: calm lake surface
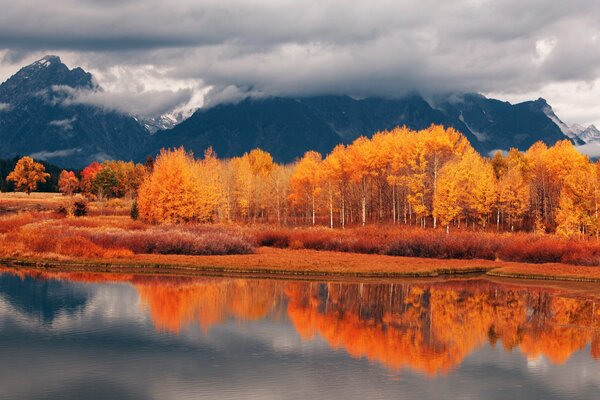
column 109, row 336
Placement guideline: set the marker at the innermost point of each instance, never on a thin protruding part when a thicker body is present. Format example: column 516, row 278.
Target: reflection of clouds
column 537, row 364
column 109, row 348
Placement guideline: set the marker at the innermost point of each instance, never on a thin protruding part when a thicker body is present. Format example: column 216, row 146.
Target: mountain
column 38, row 117
column 165, row 121
column 288, row 127
column 41, row 115
column 284, row 127
column 586, row 135
column 502, row 125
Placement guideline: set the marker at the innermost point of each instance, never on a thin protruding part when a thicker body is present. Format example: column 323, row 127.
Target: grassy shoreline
column 108, row 240
column 307, row 264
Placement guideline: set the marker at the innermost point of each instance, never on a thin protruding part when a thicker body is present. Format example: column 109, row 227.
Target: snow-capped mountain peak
column 589, row 134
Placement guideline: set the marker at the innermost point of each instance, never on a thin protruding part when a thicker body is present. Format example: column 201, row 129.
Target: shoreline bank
column 311, row 264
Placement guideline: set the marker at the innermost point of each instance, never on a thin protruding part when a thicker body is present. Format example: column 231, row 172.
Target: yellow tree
column 27, row 174
column 440, row 146
column 478, row 186
column 336, row 174
column 446, row 199
column 305, row 181
column 500, row 167
column 261, row 167
column 211, row 189
column 175, row 190
column 280, row 182
column 401, row 147
column 67, row 183
column 577, row 210
column 513, row 190
column 362, row 162
column 242, row 180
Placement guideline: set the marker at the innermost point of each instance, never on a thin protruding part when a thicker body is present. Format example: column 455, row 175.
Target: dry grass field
column 31, row 230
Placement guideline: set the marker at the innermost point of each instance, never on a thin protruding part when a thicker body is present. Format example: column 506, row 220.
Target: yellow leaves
column 27, row 174
column 306, row 179
column 466, row 186
column 261, row 163
column 398, row 175
column 446, row 200
column 577, row 212
column 180, row 189
column 513, row 191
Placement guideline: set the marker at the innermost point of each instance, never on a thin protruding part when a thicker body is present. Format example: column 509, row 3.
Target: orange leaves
column 180, row 189
column 68, row 183
column 27, row 174
column 306, row 181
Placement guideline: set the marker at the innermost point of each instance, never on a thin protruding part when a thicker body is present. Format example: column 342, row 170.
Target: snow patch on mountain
column 481, row 136
column 165, row 121
column 565, row 129
column 589, row 134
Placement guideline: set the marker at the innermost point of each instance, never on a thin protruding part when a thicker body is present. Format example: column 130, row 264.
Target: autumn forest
column 425, row 194
column 431, row 178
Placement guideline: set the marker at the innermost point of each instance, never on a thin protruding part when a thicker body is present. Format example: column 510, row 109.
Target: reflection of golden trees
column 174, row 305
column 431, row 328
column 428, row 327
column 177, row 302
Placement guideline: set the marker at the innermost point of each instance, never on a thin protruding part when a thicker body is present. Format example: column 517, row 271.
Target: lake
column 77, row 335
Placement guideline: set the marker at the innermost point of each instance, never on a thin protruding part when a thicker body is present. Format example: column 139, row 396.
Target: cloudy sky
column 189, row 52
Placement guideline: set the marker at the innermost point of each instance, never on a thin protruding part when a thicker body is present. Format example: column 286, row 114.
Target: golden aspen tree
column 337, row 171
column 27, row 175
column 417, row 180
column 261, row 167
column 242, row 177
column 446, row 199
column 305, row 181
column 485, row 192
column 360, row 157
column 478, row 194
column 211, row 190
column 401, row 147
column 576, row 213
column 440, row 146
column 174, row 192
column 380, row 166
column 228, row 205
column 280, row 182
column 500, row 167
column 513, row 190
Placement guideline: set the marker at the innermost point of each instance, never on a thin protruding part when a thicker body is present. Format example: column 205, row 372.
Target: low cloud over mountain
column 332, row 47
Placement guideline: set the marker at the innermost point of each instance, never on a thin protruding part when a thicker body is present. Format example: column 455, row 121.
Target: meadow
column 34, row 228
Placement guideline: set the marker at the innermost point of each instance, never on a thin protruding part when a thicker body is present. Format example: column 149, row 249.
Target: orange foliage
column 67, row 183
column 426, row 327
column 27, row 174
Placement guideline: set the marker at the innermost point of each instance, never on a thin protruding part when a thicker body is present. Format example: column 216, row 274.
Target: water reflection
column 427, row 327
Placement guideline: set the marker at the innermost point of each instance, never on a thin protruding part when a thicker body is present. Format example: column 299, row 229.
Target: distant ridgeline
column 51, row 185
column 45, row 112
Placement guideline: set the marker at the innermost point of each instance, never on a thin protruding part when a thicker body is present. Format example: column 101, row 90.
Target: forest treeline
column 427, row 178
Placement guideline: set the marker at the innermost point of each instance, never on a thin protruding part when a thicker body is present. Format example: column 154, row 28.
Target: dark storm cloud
column 309, row 47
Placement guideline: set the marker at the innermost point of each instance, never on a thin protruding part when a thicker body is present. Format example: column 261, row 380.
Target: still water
column 110, row 336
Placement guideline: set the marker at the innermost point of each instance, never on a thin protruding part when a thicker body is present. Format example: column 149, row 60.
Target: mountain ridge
column 40, row 116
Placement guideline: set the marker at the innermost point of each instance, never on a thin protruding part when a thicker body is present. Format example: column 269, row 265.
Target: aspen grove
column 428, row 178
